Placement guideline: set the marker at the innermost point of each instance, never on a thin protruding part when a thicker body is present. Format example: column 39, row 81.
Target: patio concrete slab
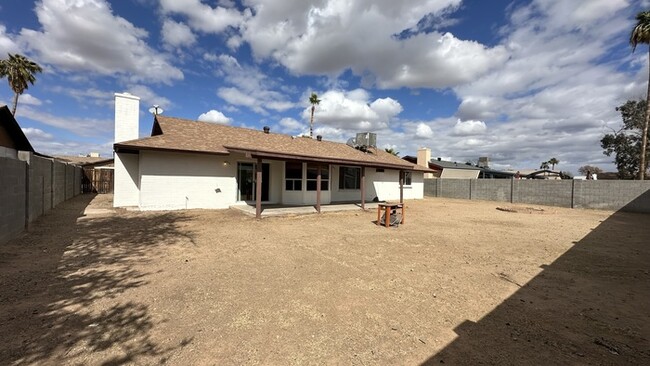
column 274, row 210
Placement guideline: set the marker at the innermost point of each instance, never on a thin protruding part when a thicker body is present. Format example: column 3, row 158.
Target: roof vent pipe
column 319, row 138
column 439, row 159
column 267, row 129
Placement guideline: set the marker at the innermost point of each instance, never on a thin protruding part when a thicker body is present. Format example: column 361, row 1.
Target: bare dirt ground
column 460, row 283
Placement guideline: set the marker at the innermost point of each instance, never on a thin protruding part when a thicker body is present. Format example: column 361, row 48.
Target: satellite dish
column 156, row 110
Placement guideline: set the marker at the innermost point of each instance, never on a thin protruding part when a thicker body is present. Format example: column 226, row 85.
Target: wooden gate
column 97, row 180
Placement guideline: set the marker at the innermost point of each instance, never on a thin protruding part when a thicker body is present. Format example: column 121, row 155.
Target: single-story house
column 444, row 169
column 539, row 174
column 12, row 138
column 87, row 160
column 189, row 164
column 97, row 172
column 487, row 173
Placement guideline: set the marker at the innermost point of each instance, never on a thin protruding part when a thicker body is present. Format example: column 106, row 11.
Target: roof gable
column 11, row 135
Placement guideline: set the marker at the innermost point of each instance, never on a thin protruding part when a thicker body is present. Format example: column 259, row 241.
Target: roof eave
column 119, row 146
column 273, row 155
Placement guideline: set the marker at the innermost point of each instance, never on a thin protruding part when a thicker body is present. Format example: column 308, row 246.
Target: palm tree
column 392, row 151
column 553, row 162
column 641, row 34
column 544, row 165
column 313, row 99
column 20, row 73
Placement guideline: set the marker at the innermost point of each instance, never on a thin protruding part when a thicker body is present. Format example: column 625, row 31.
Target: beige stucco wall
column 450, row 173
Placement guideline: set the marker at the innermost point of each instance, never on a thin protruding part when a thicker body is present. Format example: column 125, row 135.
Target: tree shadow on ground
column 51, row 276
column 590, row 306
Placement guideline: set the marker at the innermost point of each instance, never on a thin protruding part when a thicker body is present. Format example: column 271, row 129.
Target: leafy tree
column 20, row 73
column 589, row 168
column 544, row 165
column 391, row 150
column 566, row 175
column 314, row 101
column 641, row 34
column 625, row 144
column 553, row 162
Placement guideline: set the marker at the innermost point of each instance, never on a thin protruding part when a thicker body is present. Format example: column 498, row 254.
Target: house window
column 408, row 178
column 293, row 176
column 349, row 178
column 312, row 177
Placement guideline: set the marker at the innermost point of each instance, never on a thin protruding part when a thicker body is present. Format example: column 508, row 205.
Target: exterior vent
column 267, row 129
column 319, row 138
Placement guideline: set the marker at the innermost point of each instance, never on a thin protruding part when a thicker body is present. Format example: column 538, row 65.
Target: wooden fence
column 97, row 180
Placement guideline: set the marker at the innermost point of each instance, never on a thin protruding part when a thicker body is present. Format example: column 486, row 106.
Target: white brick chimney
column 424, row 156
column 127, row 117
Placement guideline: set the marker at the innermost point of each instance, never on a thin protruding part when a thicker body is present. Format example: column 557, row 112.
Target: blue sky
column 517, row 81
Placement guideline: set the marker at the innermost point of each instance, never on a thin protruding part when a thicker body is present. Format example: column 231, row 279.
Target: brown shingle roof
column 175, row 134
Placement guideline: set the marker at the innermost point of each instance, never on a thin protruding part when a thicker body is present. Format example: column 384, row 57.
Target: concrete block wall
column 431, row 187
column 40, row 187
column 492, row 190
column 78, row 173
column 30, row 186
column 542, row 192
column 455, row 188
column 631, row 196
column 69, row 181
column 13, row 180
column 59, row 182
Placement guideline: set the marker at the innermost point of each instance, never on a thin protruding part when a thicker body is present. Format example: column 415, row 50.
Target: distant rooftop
column 451, row 165
column 84, row 160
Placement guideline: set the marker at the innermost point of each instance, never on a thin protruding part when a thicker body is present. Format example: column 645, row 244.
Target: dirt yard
column 460, row 283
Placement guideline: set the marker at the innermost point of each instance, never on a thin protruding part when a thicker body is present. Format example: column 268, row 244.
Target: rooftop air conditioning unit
column 366, row 139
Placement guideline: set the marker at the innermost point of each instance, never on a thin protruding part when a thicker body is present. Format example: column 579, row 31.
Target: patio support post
column 318, row 168
column 363, row 187
column 401, row 186
column 258, row 188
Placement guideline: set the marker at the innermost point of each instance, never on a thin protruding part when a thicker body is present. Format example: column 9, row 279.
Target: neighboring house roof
column 85, row 160
column 11, row 135
column 182, row 135
column 492, row 173
column 539, row 174
column 414, row 160
column 441, row 164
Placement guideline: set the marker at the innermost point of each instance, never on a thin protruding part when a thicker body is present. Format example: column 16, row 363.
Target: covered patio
column 321, row 164
column 269, row 210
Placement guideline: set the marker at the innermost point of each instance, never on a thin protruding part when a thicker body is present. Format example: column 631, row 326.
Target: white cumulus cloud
column 249, row 86
column 214, row 116
column 203, row 17
column 36, row 134
column 423, row 131
column 469, row 128
column 177, row 34
column 7, row 43
column 353, row 110
column 29, row 99
column 330, row 37
column 86, row 35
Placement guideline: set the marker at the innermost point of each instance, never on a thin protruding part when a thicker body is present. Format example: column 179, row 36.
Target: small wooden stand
column 388, row 207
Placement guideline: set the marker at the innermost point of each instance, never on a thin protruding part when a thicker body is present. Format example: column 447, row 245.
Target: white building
column 188, row 164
